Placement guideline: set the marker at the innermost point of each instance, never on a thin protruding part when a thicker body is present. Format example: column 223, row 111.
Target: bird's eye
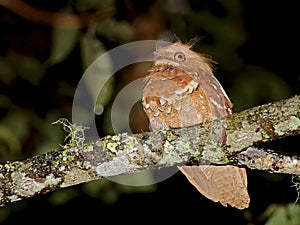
column 179, row 57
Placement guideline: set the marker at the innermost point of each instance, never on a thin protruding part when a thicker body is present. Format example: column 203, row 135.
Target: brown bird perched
column 180, row 90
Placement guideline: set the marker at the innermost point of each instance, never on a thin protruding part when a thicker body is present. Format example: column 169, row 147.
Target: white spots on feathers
column 165, row 101
column 217, row 104
column 192, row 85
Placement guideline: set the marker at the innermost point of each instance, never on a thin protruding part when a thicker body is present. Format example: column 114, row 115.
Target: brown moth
column 180, row 90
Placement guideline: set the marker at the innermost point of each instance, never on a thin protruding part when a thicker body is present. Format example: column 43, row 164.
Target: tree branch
column 228, row 140
column 54, row 19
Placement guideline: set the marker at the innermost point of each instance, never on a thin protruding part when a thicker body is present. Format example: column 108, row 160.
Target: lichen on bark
column 228, row 140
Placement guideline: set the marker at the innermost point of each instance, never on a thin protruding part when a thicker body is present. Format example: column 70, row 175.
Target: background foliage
column 255, row 44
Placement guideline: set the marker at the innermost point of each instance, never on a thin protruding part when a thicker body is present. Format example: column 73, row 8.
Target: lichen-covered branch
column 268, row 160
column 228, row 140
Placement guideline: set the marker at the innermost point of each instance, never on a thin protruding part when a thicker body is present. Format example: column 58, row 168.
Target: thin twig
column 54, row 19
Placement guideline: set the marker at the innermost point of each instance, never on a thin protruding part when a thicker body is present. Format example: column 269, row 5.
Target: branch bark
column 54, row 19
column 228, row 140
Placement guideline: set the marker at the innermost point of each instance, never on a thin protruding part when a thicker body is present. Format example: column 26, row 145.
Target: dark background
column 255, row 44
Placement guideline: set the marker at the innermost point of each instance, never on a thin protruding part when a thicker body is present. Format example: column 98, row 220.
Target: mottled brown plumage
column 180, row 90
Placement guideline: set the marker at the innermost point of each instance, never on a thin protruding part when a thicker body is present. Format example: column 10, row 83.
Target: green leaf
column 63, row 42
column 288, row 215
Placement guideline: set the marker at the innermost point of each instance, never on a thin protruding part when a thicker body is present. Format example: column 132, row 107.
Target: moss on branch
column 223, row 141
